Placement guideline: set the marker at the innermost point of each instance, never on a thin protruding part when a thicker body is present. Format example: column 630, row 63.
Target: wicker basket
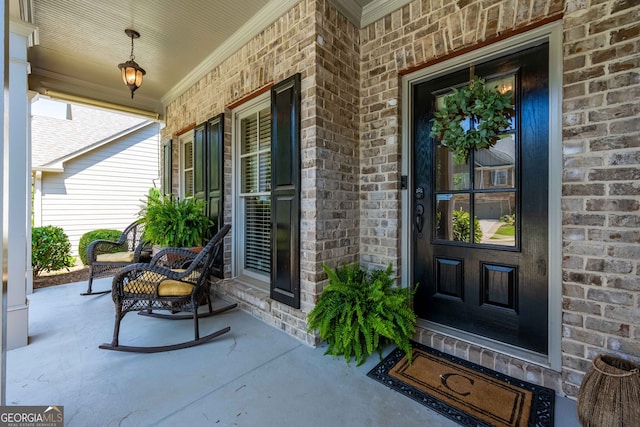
column 610, row 394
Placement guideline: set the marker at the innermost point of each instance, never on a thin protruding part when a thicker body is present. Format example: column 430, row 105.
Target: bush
column 50, row 249
column 462, row 227
column 509, row 219
column 100, row 234
column 359, row 312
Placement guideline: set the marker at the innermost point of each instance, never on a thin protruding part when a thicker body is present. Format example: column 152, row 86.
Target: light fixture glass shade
column 131, row 72
column 131, row 75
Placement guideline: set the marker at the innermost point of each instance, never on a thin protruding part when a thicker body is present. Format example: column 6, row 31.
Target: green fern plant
column 360, row 312
column 174, row 222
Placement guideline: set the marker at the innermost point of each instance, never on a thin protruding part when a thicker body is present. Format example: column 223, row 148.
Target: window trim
column 255, row 280
column 499, row 177
column 182, row 140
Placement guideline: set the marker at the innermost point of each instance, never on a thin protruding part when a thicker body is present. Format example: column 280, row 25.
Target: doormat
column 469, row 394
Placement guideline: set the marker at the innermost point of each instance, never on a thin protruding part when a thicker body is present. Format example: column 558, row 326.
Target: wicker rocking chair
column 105, row 257
column 176, row 280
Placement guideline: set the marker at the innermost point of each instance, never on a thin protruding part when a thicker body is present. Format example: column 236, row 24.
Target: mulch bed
column 61, row 277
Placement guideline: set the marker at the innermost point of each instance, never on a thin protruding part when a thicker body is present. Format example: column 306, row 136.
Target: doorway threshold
column 507, row 349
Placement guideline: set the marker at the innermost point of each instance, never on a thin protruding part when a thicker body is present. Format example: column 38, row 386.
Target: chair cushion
column 167, row 288
column 170, row 288
column 116, row 257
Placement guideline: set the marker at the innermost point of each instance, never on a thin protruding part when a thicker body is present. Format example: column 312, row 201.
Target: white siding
column 103, row 188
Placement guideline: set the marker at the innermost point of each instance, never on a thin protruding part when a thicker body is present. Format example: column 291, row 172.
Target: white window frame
column 182, row 141
column 249, row 277
column 499, row 177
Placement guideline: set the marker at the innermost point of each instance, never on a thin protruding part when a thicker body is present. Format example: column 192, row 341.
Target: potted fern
column 360, row 312
column 173, row 222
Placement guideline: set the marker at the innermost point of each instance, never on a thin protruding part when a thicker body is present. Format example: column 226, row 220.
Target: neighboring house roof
column 54, row 140
column 488, row 158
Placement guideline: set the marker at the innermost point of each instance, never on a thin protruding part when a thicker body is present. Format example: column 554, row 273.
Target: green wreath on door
column 489, row 109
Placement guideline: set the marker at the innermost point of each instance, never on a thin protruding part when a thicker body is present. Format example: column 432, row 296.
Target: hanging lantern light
column 131, row 72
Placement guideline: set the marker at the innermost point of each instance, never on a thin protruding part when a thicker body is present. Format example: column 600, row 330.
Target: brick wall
column 351, row 152
column 322, row 45
column 416, row 34
column 601, row 130
column 601, row 184
column 335, row 155
column 284, row 48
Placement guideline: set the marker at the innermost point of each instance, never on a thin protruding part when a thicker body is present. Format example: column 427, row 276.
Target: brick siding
column 351, row 153
column 601, row 127
column 601, row 188
column 323, row 46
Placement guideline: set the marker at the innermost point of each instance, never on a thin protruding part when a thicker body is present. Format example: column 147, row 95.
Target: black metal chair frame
column 137, row 287
column 133, row 237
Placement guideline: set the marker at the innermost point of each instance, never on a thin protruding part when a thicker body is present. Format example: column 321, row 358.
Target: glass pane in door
column 451, row 174
column 496, row 216
column 452, row 217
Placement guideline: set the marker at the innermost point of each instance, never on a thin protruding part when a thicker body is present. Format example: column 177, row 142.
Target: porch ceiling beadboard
column 77, row 47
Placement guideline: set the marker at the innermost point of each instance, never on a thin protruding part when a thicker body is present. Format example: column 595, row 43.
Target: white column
column 19, row 177
column 4, row 160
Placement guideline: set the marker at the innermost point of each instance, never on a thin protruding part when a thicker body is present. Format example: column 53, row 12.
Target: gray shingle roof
column 53, row 139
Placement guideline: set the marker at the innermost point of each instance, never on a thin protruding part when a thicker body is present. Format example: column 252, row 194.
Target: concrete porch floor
column 255, row 375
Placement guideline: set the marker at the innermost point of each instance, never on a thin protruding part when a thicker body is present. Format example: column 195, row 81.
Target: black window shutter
column 199, row 162
column 285, row 191
column 166, row 167
column 215, row 170
column 208, row 168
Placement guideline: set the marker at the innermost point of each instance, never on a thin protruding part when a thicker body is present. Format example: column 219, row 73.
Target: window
column 499, row 178
column 186, row 165
column 266, row 205
column 253, row 181
column 482, row 188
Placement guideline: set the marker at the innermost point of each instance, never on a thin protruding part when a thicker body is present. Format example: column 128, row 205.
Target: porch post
column 19, row 176
column 4, row 125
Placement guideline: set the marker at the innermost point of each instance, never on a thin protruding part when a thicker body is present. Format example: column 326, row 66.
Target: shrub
column 359, row 312
column 100, row 234
column 462, row 227
column 508, row 218
column 50, row 249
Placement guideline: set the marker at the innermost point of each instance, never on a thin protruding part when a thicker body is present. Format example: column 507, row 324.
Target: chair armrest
column 173, row 257
column 143, row 248
column 98, row 247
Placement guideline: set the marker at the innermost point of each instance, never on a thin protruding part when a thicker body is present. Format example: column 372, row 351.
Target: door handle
column 419, row 217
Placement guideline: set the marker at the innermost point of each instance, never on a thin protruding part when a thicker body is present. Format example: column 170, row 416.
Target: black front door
column 480, row 227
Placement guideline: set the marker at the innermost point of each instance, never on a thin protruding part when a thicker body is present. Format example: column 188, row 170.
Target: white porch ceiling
column 79, row 43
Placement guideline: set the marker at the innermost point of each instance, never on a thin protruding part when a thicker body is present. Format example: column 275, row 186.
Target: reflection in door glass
column 495, row 167
column 452, row 218
column 504, row 85
column 451, row 174
column 496, row 217
column 484, row 187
